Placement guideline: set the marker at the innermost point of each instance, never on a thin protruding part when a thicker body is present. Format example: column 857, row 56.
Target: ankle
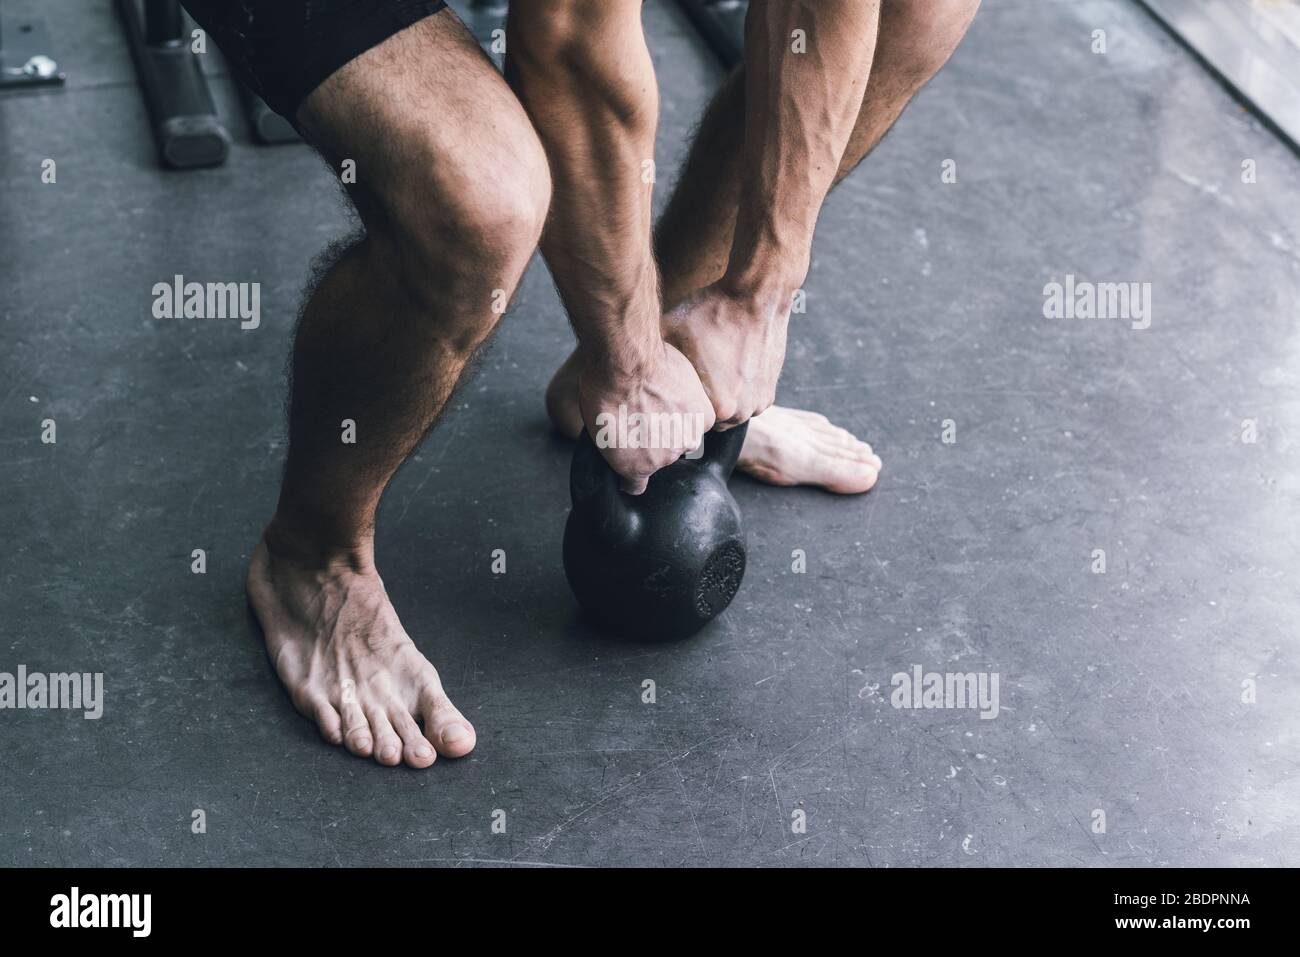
column 301, row 544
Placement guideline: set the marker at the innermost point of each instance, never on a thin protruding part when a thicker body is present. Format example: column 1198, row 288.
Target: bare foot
column 348, row 664
column 783, row 446
column 793, row 447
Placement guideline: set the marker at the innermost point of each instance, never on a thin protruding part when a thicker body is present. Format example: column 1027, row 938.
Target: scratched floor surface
column 1146, row 715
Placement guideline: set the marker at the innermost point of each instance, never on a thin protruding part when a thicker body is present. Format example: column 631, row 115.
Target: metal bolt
column 41, row 66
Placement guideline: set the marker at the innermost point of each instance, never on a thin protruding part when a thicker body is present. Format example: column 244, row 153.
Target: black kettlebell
column 663, row 564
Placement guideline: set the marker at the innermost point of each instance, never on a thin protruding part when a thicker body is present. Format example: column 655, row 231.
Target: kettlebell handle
column 590, row 475
column 722, row 449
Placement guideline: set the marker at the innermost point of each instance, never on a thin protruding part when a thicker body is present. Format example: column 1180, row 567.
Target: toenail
column 389, row 752
column 454, row 735
column 423, row 751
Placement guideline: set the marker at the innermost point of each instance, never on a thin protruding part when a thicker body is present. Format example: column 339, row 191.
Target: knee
column 463, row 220
column 489, row 221
column 931, row 30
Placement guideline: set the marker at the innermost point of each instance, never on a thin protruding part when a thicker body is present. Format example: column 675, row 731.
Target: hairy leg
column 693, row 237
column 452, row 207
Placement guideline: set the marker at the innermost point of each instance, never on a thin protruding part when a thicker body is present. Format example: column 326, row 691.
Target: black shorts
column 284, row 49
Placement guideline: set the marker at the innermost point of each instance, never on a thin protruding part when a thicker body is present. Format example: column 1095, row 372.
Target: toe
column 849, row 477
column 328, row 721
column 840, row 441
column 388, row 746
column 357, row 736
column 416, row 750
column 446, row 728
column 845, row 446
column 858, row 448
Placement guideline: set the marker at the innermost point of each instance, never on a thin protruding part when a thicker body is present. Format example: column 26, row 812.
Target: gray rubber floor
column 1127, row 693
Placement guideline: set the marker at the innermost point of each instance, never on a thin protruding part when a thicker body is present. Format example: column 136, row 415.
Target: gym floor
column 1161, row 693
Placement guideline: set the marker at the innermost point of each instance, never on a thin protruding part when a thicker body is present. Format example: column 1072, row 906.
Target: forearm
column 582, row 71
column 800, row 110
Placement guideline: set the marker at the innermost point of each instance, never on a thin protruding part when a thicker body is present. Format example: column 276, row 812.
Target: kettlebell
column 662, row 564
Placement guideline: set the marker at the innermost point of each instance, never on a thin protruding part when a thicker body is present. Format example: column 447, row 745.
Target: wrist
column 769, row 258
column 622, row 356
column 764, row 293
column 619, row 336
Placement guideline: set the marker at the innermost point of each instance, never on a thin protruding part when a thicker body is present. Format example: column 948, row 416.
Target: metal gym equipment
column 26, row 58
column 186, row 126
column 268, row 126
column 185, row 123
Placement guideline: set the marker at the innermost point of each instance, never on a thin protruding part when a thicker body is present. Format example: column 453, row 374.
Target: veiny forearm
column 591, row 94
column 800, row 110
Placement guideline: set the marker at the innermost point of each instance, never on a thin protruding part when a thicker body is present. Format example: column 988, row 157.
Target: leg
column 452, row 207
column 693, row 238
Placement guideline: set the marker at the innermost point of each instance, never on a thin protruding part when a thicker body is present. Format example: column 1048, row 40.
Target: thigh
column 429, row 122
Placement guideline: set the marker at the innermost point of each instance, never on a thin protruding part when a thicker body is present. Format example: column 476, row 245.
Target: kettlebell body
column 663, row 564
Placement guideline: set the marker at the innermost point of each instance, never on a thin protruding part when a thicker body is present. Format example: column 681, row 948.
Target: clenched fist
column 646, row 418
column 737, row 346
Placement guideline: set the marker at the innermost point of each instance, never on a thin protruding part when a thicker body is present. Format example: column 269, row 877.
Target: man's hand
column 737, row 345
column 646, row 418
